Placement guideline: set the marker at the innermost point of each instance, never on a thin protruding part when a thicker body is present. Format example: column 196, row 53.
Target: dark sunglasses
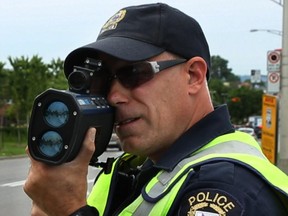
column 136, row 74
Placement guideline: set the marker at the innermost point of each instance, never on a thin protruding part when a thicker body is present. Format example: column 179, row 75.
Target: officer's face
column 151, row 116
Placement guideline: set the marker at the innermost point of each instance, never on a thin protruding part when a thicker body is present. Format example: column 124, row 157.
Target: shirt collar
column 215, row 124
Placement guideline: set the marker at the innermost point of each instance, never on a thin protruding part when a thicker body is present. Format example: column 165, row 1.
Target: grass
column 12, row 149
column 13, row 141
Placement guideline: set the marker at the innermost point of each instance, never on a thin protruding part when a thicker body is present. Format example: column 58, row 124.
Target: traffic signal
column 235, row 99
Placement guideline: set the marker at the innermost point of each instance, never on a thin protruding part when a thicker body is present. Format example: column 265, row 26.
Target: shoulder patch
column 210, row 202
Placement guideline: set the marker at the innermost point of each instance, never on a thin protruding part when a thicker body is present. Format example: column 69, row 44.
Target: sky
column 53, row 28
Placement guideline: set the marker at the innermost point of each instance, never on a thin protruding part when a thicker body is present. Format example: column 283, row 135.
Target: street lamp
column 272, row 31
column 282, row 161
column 280, row 2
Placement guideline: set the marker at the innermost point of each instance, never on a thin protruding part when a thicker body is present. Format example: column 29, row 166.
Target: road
column 14, row 201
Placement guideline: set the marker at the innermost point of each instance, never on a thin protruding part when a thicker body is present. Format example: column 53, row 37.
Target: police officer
column 182, row 155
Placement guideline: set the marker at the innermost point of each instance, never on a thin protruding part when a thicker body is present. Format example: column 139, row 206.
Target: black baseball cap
column 137, row 33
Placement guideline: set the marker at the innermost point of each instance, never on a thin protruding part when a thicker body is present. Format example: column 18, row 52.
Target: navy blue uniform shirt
column 215, row 188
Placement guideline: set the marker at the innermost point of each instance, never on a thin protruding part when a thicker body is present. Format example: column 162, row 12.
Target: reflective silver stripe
column 226, row 147
column 164, row 178
column 229, row 147
column 144, row 209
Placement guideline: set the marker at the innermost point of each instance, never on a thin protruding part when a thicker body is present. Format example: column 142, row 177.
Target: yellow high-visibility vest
column 161, row 191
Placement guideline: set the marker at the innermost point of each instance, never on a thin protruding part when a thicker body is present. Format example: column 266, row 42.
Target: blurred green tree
column 57, row 77
column 224, row 88
column 244, row 102
column 27, row 78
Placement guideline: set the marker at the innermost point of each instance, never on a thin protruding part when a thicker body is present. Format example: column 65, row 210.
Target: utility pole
column 282, row 161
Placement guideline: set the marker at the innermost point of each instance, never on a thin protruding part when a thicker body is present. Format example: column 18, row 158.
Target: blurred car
column 248, row 130
column 114, row 142
column 258, row 131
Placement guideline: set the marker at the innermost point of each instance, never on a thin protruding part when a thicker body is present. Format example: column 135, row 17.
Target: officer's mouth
column 126, row 121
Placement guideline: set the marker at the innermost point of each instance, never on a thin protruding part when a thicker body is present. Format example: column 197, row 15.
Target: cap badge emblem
column 113, row 21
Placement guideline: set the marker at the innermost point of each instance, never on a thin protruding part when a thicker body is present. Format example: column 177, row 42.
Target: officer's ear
column 197, row 69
